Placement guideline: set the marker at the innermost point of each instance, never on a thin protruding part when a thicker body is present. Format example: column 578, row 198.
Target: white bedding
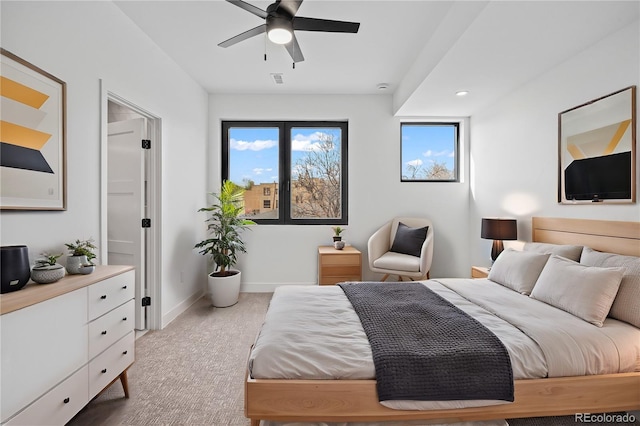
column 314, row 333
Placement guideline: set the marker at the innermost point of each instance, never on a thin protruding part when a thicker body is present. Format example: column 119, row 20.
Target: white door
column 126, row 202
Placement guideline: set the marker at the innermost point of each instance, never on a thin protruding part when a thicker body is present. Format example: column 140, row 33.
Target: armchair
column 398, row 262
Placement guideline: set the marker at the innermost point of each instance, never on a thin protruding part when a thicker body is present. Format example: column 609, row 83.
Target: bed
column 356, row 399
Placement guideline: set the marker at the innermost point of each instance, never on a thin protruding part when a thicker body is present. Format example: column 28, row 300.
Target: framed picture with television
column 597, row 150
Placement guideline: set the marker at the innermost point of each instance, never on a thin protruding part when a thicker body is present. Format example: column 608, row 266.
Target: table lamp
column 498, row 230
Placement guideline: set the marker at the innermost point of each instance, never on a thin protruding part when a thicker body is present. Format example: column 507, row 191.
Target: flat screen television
column 607, row 177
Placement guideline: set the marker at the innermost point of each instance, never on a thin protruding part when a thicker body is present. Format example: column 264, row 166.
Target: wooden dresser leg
column 255, row 422
column 125, row 383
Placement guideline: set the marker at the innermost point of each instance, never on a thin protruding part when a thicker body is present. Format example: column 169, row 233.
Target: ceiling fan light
column 280, row 35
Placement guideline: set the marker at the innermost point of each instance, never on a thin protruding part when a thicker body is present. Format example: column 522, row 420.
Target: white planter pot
column 224, row 291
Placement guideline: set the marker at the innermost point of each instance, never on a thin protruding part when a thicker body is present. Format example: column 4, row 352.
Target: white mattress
column 314, row 333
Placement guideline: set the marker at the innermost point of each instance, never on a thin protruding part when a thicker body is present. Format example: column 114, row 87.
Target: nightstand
column 335, row 266
column 479, row 272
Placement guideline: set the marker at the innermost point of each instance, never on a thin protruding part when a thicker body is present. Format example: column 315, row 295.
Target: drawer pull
column 124, row 319
column 124, row 353
column 66, row 400
column 124, row 287
column 104, row 332
column 104, row 370
column 104, row 296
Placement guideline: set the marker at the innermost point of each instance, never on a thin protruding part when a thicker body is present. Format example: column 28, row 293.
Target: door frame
column 154, row 208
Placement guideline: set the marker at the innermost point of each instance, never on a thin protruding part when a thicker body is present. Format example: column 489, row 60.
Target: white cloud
column 430, row 153
column 257, row 145
column 415, row 163
column 310, row 142
column 260, row 170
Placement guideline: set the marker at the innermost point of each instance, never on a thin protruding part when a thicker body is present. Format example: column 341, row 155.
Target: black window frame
column 283, row 199
column 456, row 167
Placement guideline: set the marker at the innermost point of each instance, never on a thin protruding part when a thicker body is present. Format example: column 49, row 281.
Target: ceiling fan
column 281, row 21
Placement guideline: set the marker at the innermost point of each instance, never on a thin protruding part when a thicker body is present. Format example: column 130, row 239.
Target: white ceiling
column 424, row 50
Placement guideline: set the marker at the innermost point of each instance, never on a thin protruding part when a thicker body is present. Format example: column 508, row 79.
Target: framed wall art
column 597, row 150
column 32, row 137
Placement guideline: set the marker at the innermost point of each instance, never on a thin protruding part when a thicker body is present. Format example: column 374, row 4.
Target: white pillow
column 584, row 291
column 564, row 250
column 518, row 270
column 626, row 306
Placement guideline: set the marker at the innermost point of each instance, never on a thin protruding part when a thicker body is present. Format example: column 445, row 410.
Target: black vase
column 14, row 271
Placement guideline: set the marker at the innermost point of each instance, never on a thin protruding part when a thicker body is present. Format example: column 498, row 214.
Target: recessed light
column 462, row 93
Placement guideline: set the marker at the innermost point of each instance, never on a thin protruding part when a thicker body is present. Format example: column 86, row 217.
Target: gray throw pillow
column 564, row 250
column 584, row 291
column 409, row 240
column 518, row 270
column 626, row 306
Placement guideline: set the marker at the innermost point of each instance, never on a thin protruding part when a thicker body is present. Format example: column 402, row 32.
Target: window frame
column 283, row 199
column 456, row 163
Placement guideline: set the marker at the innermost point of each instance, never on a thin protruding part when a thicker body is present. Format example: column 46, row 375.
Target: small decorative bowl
column 48, row 274
column 86, row 269
column 338, row 245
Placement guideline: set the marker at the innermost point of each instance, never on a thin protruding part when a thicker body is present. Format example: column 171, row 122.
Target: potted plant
column 81, row 255
column 47, row 269
column 224, row 227
column 337, row 231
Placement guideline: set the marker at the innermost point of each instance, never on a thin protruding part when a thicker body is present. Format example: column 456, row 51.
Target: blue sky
column 422, row 145
column 254, row 151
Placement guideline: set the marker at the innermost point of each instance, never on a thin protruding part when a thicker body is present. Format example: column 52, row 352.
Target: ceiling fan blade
column 325, row 25
column 290, row 6
column 249, row 8
column 294, row 50
column 245, row 35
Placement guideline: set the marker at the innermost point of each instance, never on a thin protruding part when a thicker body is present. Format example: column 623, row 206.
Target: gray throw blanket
column 426, row 349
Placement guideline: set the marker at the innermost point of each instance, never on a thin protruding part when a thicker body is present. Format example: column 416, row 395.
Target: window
column 300, row 166
column 429, row 152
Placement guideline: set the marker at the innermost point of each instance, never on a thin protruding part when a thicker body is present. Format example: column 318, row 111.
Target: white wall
column 288, row 254
column 514, row 143
column 81, row 43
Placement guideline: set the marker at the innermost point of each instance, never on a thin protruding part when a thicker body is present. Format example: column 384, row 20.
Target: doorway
column 130, row 196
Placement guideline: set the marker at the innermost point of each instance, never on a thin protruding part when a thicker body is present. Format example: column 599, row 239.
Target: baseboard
column 267, row 287
column 180, row 308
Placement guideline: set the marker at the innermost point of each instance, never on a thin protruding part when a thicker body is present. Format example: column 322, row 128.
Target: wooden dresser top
column 35, row 293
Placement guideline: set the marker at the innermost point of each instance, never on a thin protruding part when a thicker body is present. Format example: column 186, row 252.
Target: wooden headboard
column 602, row 235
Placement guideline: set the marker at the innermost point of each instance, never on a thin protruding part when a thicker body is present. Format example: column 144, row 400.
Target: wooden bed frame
column 356, row 400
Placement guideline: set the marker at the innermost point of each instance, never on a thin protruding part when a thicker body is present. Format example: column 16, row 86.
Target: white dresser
column 63, row 343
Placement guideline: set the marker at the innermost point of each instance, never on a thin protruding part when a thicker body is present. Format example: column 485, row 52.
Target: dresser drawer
column 110, row 363
column 42, row 345
column 59, row 405
column 110, row 293
column 331, row 280
column 342, row 259
column 110, row 327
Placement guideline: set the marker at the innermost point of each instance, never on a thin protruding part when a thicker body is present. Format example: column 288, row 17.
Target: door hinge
column 146, row 223
column 146, row 301
column 146, row 143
